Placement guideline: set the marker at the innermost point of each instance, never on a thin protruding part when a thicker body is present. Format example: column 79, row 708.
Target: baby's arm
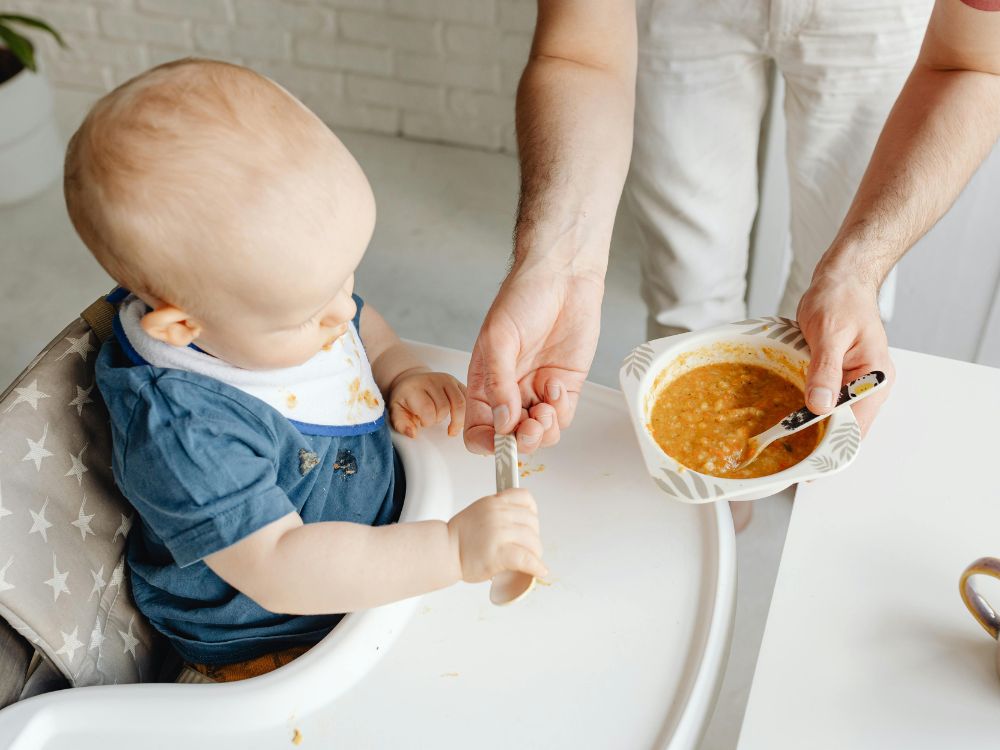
column 390, row 358
column 333, row 567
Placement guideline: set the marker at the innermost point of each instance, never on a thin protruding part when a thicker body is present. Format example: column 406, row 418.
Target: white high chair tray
column 625, row 646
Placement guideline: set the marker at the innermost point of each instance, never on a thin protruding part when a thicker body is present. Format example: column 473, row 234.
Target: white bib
column 334, row 393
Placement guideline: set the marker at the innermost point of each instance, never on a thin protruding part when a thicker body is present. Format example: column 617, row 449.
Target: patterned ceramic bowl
column 774, row 343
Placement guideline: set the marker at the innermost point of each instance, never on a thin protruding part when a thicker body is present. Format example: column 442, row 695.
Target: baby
column 248, row 386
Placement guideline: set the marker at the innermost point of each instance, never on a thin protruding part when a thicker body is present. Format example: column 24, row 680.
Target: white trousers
column 702, row 89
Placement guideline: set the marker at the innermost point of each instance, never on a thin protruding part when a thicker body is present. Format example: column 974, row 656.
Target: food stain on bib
column 357, row 397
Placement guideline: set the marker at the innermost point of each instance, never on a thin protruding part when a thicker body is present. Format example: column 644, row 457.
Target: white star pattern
column 82, row 399
column 97, row 638
column 3, row 511
column 78, row 469
column 4, row 586
column 39, row 524
column 57, row 581
column 29, row 395
column 130, row 640
column 70, row 643
column 99, row 582
column 79, row 346
column 36, row 450
column 118, row 573
column 126, row 524
column 82, row 521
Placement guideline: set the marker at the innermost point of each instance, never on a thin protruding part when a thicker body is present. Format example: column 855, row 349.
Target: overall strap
column 100, row 314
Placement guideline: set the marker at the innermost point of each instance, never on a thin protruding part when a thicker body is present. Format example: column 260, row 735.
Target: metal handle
column 980, row 608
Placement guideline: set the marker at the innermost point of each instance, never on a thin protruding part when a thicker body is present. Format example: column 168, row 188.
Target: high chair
column 624, row 646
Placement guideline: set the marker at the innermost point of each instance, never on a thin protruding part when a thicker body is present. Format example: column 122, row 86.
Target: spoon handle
column 511, row 585
column 505, row 455
column 858, row 389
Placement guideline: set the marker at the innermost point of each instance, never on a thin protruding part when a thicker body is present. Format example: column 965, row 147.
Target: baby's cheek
column 291, row 350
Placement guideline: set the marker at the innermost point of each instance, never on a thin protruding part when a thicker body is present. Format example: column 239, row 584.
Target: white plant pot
column 31, row 152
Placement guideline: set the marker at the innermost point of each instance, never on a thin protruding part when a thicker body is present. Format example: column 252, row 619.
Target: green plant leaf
column 22, row 47
column 33, row 22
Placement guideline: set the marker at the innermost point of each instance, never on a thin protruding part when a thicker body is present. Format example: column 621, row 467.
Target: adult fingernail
column 501, row 416
column 529, row 439
column 546, row 420
column 821, row 397
column 553, row 392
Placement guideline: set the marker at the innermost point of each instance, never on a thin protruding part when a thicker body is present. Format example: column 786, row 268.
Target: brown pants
column 243, row 670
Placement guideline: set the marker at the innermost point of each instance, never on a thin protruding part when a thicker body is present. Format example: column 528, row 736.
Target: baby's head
column 227, row 206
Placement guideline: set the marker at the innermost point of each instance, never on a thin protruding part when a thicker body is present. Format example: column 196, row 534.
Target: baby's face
column 284, row 335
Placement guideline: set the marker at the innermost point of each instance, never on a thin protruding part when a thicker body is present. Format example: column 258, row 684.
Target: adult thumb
column 500, row 385
column 826, row 373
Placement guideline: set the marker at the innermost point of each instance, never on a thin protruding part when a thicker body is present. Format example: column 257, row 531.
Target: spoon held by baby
column 511, row 585
column 850, row 394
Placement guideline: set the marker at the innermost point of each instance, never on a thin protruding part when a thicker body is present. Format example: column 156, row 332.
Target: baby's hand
column 422, row 398
column 498, row 533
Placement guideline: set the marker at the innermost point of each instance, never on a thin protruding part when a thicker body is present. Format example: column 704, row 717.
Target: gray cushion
column 63, row 524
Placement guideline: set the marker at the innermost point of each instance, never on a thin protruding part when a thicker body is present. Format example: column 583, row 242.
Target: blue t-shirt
column 205, row 465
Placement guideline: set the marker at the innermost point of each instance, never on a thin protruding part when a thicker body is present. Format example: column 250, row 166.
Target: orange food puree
column 704, row 418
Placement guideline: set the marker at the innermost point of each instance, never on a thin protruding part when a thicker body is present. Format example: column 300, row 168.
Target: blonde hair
column 162, row 172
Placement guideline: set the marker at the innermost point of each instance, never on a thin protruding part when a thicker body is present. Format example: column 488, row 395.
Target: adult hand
column 532, row 355
column 840, row 320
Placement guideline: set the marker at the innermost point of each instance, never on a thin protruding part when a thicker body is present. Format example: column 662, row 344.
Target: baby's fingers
column 422, row 408
column 516, row 557
column 519, row 519
column 456, row 399
column 526, row 535
column 519, row 497
column 403, row 421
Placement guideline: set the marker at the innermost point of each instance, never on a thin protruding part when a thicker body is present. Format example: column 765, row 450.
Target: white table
column 625, row 647
column 867, row 643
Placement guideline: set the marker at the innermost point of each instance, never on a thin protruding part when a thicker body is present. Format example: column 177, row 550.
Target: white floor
column 439, row 252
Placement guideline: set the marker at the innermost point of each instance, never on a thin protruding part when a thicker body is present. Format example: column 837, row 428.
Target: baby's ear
column 171, row 325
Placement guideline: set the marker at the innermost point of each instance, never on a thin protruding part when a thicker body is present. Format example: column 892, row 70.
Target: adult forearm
column 939, row 131
column 332, row 567
column 574, row 129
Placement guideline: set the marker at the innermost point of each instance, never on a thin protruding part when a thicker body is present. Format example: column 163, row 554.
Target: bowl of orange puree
column 697, row 397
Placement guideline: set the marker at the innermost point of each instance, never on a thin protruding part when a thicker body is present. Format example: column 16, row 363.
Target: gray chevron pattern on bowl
column 844, row 443
column 679, row 486
column 638, row 361
column 777, row 328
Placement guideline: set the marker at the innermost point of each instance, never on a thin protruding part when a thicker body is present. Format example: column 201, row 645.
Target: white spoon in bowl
column 854, row 391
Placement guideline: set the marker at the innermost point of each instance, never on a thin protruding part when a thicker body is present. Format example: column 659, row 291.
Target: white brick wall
column 440, row 70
